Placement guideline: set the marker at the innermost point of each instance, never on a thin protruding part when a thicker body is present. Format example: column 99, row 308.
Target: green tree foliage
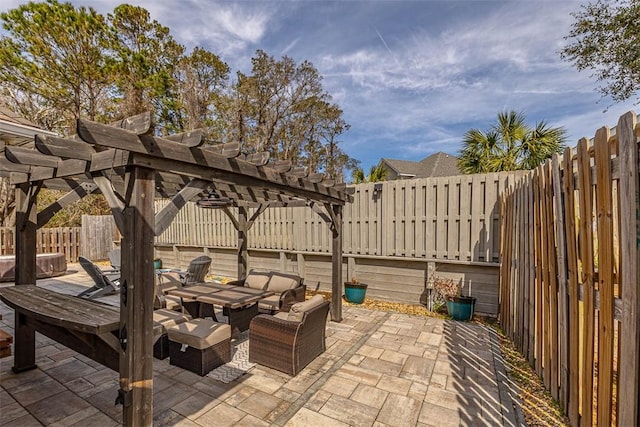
column 604, row 38
column 146, row 57
column 55, row 55
column 203, row 94
column 510, row 144
column 282, row 108
column 59, row 63
column 376, row 174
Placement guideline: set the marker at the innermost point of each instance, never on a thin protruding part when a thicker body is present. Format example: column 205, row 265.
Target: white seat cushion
column 199, row 333
column 298, row 310
column 270, row 303
column 167, row 318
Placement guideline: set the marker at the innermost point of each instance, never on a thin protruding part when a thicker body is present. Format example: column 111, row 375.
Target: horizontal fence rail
column 569, row 282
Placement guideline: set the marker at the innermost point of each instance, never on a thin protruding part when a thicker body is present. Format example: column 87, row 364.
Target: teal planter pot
column 157, row 264
column 355, row 292
column 461, row 308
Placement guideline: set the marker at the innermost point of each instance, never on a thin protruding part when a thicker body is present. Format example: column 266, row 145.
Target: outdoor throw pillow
column 281, row 282
column 257, row 280
column 297, row 311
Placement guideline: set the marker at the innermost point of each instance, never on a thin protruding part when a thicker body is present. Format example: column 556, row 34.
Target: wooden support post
column 336, row 263
column 25, row 259
column 26, row 227
column 242, row 242
column 629, row 387
column 136, row 299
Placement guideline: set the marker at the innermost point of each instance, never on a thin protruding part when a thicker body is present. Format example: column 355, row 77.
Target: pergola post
column 25, row 267
column 136, row 299
column 26, row 227
column 243, row 254
column 336, row 263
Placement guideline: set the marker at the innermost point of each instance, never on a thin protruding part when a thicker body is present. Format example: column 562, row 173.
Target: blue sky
column 411, row 76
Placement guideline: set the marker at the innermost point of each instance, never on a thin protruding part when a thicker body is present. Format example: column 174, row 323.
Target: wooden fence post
column 628, row 388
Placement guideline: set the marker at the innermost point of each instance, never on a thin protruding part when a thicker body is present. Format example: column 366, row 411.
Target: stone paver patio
column 380, row 369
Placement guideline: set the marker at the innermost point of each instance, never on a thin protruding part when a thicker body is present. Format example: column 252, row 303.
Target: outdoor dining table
column 238, row 303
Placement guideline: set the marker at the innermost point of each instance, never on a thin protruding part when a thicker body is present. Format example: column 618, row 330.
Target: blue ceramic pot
column 355, row 292
column 461, row 308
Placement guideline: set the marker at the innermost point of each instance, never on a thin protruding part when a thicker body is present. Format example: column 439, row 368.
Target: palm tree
column 376, row 174
column 510, row 144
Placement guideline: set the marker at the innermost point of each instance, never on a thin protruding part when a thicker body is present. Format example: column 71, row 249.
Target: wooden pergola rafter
column 131, row 167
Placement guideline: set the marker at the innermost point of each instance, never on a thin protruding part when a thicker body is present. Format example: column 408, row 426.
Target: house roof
column 438, row 164
column 15, row 129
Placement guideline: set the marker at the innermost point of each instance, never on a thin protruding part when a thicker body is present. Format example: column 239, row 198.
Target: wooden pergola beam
column 128, row 166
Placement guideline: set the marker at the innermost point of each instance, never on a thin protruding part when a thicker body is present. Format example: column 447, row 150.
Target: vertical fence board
column 588, row 296
column 604, row 210
column 628, row 391
column 573, row 341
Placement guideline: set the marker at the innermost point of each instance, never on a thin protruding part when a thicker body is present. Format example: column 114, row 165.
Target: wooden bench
column 87, row 327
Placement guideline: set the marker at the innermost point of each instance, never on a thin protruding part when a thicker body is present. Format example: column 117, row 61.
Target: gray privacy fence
column 397, row 235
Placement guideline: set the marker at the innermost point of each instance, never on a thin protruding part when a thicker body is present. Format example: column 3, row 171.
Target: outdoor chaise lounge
column 288, row 289
column 289, row 341
column 105, row 282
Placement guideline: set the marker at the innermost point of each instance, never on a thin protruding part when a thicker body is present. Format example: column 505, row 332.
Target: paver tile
column 349, row 411
column 220, row 416
column 369, row 395
column 399, row 411
column 260, row 404
column 51, row 410
column 437, row 416
column 33, row 392
column 340, row 386
column 305, row 418
column 359, row 374
column 394, row 384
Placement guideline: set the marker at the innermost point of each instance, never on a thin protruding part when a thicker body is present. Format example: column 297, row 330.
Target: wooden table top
column 225, row 295
column 62, row 310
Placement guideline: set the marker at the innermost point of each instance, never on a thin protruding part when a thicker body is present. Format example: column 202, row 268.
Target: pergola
column 131, row 167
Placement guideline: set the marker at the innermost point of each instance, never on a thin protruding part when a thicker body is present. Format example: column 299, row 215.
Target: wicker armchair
column 289, row 341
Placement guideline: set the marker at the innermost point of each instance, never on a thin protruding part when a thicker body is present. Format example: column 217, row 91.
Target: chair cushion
column 281, row 282
column 298, row 310
column 168, row 318
column 283, row 315
column 199, row 333
column 270, row 303
column 257, row 280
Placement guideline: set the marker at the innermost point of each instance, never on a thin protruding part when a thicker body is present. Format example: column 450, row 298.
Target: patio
column 380, row 368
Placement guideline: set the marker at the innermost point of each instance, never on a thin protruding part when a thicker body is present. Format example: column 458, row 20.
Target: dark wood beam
column 189, row 139
column 71, row 197
column 233, row 169
column 114, row 200
column 336, row 264
column 27, row 156
column 164, row 218
column 66, row 148
column 138, row 124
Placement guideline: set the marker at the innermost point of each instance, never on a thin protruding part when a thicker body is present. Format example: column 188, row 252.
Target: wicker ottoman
column 199, row 345
column 166, row 318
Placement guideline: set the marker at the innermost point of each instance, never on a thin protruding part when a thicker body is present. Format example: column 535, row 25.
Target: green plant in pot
column 459, row 307
column 354, row 291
